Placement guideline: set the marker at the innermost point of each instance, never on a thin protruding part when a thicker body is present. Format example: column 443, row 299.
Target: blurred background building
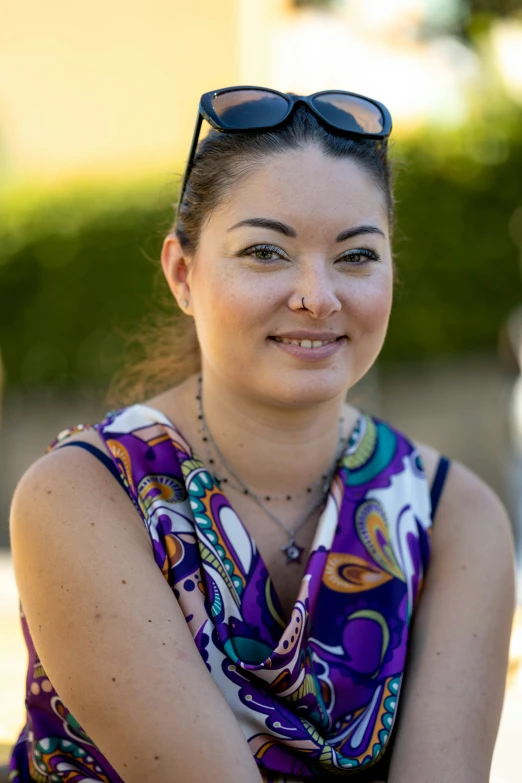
column 97, row 106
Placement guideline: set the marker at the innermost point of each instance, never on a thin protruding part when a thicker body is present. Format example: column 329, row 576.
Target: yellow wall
column 259, row 24
column 109, row 84
column 112, row 86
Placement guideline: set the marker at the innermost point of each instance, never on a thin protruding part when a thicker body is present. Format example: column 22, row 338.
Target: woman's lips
column 310, row 354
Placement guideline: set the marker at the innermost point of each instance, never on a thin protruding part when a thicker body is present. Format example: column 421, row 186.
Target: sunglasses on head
column 240, row 109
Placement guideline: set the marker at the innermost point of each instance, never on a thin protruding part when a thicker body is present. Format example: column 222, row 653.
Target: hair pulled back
column 167, row 344
column 222, row 159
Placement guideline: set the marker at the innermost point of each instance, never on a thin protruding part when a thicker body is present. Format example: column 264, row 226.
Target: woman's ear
column 174, row 262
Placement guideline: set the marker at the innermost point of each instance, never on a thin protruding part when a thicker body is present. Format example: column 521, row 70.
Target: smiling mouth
column 305, row 343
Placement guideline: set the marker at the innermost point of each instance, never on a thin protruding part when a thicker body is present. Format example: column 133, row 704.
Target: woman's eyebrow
column 275, row 225
column 352, row 232
column 282, row 228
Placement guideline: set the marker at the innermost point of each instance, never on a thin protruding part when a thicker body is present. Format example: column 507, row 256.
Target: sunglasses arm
column 192, row 155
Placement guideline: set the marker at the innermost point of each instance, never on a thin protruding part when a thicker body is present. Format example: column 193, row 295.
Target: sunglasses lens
column 350, row 113
column 249, row 108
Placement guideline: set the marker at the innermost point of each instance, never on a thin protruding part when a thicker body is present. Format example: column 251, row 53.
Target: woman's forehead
column 299, row 186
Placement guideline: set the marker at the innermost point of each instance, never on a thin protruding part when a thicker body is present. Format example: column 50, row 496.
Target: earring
column 184, row 302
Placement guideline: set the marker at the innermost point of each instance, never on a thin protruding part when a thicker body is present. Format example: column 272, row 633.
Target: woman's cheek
column 371, row 308
column 371, row 318
column 226, row 316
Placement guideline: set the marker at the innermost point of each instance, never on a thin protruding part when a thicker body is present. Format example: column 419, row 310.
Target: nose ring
column 303, row 304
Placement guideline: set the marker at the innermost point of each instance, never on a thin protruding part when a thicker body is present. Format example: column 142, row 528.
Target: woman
column 238, row 605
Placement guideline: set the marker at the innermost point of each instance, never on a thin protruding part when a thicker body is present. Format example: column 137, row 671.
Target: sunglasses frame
column 206, row 112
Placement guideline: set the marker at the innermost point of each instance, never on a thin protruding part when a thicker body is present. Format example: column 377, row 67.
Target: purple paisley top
column 316, row 694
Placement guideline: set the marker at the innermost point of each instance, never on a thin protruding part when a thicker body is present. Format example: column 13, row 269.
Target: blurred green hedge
column 77, row 268
column 458, row 247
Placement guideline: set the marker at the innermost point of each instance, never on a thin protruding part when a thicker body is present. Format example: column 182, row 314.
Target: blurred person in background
column 244, row 577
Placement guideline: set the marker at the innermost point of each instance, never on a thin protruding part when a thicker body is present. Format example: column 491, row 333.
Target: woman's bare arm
column 110, row 633
column 451, row 703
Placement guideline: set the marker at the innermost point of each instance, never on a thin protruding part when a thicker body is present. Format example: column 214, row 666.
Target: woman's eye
column 360, row 256
column 270, row 253
column 263, row 253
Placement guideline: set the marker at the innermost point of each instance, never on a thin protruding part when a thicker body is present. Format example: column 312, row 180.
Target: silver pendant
column 293, row 552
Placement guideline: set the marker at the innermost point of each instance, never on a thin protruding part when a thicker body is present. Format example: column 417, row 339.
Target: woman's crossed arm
column 110, row 634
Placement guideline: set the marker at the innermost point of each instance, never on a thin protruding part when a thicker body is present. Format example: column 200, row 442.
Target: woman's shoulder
column 467, row 502
column 124, row 421
column 472, row 547
column 64, row 488
column 471, row 518
column 60, row 463
column 87, row 469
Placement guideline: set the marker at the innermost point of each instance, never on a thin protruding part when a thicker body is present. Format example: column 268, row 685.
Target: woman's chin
column 306, row 387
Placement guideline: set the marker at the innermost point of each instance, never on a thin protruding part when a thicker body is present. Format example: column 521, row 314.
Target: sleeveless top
column 316, row 694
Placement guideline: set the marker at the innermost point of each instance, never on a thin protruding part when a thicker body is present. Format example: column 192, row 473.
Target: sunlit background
column 97, row 107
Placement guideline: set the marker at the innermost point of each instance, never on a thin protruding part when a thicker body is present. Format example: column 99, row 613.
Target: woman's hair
column 166, row 351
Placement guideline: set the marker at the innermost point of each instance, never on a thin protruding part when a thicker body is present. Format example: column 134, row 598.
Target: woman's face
column 301, row 228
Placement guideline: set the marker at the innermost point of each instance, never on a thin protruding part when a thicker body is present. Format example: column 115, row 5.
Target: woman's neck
column 275, row 450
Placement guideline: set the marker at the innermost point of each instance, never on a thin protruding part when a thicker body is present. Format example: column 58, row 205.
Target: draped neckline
column 353, row 442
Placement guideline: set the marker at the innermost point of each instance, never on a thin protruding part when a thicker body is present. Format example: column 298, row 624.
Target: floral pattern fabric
column 316, row 693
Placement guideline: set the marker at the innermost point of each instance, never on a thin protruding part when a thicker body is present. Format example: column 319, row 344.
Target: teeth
column 305, row 343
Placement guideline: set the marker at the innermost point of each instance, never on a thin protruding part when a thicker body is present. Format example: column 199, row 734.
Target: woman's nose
column 315, row 292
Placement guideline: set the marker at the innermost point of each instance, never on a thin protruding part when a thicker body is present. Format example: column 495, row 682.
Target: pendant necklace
column 291, row 549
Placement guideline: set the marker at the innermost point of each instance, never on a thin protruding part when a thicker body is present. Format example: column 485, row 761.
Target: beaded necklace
column 291, row 549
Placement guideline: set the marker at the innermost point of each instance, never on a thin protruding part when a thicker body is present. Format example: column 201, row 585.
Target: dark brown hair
column 166, row 350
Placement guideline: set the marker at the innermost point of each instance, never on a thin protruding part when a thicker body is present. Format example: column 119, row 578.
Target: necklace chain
column 291, row 549
column 240, row 486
